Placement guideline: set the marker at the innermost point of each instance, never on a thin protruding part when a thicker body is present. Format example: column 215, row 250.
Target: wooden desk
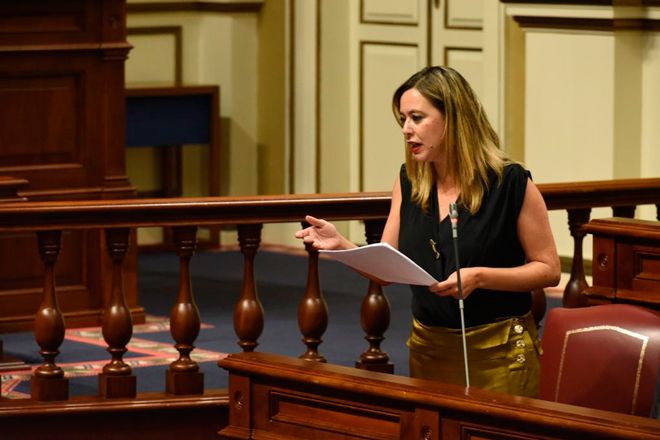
column 626, row 262
column 169, row 117
column 279, row 397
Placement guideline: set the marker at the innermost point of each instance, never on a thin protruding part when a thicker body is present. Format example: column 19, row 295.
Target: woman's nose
column 405, row 128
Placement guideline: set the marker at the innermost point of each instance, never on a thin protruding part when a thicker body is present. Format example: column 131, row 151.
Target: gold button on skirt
column 502, row 356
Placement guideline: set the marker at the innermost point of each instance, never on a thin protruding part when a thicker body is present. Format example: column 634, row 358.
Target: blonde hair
column 472, row 147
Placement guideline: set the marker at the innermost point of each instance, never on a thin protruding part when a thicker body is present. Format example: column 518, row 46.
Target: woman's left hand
column 449, row 287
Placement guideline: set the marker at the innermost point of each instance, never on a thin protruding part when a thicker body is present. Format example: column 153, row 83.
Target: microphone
column 453, row 216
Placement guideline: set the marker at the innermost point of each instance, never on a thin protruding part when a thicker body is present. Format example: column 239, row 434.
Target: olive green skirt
column 502, row 356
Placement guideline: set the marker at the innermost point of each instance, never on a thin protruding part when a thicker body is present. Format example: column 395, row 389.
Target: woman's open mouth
column 415, row 147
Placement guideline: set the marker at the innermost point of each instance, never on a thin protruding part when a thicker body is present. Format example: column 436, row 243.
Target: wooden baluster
column 117, row 379
column 248, row 313
column 312, row 308
column 375, row 314
column 48, row 381
column 624, row 211
column 183, row 376
column 577, row 282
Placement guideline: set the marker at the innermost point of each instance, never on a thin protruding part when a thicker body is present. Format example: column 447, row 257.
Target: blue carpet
column 216, row 283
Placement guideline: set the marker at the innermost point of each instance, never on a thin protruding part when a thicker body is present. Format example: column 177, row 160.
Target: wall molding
column 365, row 20
column 466, row 27
column 447, row 49
column 361, row 148
column 587, row 24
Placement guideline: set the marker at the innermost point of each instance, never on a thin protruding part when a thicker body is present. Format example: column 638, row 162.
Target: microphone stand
column 453, row 215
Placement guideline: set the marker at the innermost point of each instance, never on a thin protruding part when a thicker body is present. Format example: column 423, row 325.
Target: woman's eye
column 416, row 118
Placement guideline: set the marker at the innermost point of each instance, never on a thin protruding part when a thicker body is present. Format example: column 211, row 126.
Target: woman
column 505, row 243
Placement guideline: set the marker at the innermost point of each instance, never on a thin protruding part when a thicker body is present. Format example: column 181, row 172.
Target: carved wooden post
column 117, row 379
column 48, row 381
column 375, row 314
column 183, row 376
column 248, row 312
column 578, row 282
column 312, row 308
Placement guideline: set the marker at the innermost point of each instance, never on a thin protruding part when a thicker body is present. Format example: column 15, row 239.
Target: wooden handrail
column 186, row 211
column 576, row 197
column 22, row 216
column 600, row 193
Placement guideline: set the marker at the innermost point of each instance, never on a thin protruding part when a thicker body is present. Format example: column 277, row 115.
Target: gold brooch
column 435, row 251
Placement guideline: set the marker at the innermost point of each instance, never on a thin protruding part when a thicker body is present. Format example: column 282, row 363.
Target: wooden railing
column 118, row 217
column 275, row 397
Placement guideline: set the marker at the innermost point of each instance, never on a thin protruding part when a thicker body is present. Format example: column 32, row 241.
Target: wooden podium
column 62, row 125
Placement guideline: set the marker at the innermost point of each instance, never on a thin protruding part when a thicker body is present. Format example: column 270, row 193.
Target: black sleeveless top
column 489, row 238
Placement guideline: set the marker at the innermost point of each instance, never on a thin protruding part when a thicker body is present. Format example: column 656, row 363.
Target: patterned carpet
column 143, row 352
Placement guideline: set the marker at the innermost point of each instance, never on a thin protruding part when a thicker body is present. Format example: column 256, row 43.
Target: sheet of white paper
column 383, row 262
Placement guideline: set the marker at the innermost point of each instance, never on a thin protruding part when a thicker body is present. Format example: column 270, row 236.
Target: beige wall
column 589, row 94
column 216, row 48
column 305, row 89
column 272, row 105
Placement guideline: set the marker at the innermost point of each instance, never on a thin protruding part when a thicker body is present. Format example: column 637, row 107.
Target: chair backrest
column 605, row 357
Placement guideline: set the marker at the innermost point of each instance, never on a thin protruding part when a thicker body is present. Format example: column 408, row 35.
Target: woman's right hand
column 323, row 235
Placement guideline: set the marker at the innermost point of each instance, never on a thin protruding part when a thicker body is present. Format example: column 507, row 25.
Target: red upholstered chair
column 605, row 357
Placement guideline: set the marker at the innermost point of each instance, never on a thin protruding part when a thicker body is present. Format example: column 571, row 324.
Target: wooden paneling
column 62, row 125
column 285, row 398
column 626, row 261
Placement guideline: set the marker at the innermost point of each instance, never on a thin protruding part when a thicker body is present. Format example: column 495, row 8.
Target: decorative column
column 48, row 381
column 248, row 312
column 375, row 314
column 183, row 376
column 117, row 379
column 312, row 309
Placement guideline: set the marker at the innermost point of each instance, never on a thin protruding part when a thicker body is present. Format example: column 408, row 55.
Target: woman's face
column 423, row 126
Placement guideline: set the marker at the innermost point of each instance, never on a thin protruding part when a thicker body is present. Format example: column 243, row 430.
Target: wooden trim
column 387, row 406
column 622, row 227
column 587, row 24
column 162, row 415
column 196, row 6
column 176, row 31
column 87, row 214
